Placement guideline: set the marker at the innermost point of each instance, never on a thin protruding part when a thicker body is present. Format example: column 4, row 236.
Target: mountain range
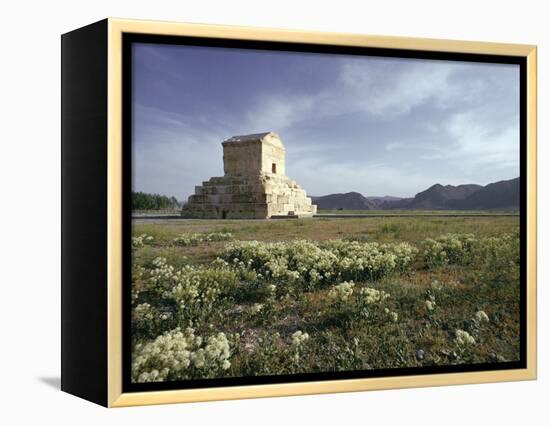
column 498, row 195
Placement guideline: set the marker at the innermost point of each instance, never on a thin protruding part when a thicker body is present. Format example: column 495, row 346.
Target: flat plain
column 220, row 298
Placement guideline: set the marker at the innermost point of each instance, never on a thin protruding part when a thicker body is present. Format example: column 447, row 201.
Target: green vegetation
column 239, row 298
column 143, row 201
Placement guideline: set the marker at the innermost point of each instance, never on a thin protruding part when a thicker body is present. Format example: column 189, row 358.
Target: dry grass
column 382, row 230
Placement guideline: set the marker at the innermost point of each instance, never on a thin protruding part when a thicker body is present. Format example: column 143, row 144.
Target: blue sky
column 378, row 126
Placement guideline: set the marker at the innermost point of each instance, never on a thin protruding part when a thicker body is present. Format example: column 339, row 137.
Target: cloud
column 392, row 146
column 173, row 152
column 375, row 125
column 388, row 88
column 277, row 112
column 372, row 178
column 477, row 145
column 384, row 88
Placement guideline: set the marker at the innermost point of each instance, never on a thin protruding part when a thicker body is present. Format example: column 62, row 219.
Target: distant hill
column 498, row 195
column 439, row 197
column 379, row 203
column 347, row 201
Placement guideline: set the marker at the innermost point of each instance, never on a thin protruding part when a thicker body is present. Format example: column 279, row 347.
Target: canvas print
column 300, row 213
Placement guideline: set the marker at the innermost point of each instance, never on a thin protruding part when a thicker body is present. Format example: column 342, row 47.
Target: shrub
column 141, row 240
column 192, row 294
column 481, row 317
column 370, row 261
column 500, row 258
column 341, row 293
column 309, row 264
column 370, row 305
column 195, row 239
column 148, row 320
column 449, row 249
column 463, row 338
column 179, row 355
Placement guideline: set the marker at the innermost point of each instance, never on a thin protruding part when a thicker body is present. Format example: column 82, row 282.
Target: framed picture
column 255, row 212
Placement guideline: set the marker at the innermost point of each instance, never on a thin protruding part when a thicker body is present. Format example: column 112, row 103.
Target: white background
column 30, row 183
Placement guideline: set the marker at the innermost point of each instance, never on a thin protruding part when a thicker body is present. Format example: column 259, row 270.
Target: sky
column 378, row 126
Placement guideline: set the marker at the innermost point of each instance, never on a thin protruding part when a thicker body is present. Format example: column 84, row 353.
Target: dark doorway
column 273, row 168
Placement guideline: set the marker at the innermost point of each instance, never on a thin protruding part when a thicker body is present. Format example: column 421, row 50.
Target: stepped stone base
column 254, row 185
column 258, row 196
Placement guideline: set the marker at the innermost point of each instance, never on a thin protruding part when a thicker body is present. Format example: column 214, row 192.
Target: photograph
column 318, row 214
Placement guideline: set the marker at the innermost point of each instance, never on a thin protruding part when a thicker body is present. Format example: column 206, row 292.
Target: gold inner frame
column 116, row 398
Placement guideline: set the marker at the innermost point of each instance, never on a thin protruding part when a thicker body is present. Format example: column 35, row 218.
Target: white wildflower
column 171, row 355
column 464, row 338
column 430, row 306
column 341, row 292
column 371, row 295
column 256, row 308
column 482, row 317
column 299, row 337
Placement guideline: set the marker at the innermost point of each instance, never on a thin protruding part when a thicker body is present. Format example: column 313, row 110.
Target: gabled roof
column 250, row 137
column 265, row 137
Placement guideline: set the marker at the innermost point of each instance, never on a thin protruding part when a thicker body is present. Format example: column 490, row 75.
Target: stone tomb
column 254, row 185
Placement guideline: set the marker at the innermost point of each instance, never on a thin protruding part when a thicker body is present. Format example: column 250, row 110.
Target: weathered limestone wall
column 242, row 158
column 254, row 186
column 273, row 154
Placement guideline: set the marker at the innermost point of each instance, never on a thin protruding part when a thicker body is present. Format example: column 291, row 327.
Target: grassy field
column 217, row 298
